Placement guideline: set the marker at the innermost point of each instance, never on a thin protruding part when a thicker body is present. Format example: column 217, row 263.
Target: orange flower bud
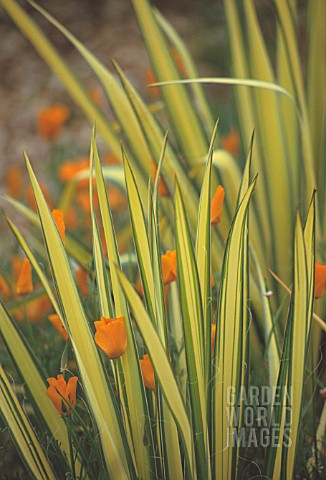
column 67, row 390
column 217, row 205
column 169, row 267
column 50, row 121
column 56, row 322
column 59, row 221
column 213, row 335
column 24, row 284
column 14, row 181
column 147, row 372
column 231, row 142
column 320, row 280
column 4, row 288
column 111, row 336
column 81, row 280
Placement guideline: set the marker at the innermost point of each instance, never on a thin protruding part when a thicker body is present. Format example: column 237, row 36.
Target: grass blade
column 22, row 432
column 230, row 348
column 95, row 383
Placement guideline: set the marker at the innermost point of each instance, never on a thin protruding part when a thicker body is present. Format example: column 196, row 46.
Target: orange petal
column 169, row 267
column 112, row 337
column 320, row 280
column 56, row 385
column 213, row 335
column 231, row 142
column 68, row 170
column 51, row 120
column 147, row 372
column 161, row 188
column 217, row 205
column 117, row 199
column 151, row 78
column 82, row 281
column 56, row 322
column 4, row 288
column 71, row 391
column 59, row 385
column 24, row 284
column 59, row 221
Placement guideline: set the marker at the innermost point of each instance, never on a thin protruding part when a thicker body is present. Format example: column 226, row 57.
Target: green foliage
column 191, row 411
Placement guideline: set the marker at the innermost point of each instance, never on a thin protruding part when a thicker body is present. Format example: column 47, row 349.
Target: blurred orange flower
column 57, row 324
column 96, row 95
column 14, row 181
column 4, row 288
column 37, row 309
column 68, row 170
column 161, row 188
column 50, row 121
column 16, row 265
column 169, row 267
column 67, row 390
column 111, row 336
column 231, row 142
column 24, row 284
column 59, row 221
column 81, row 280
column 117, row 199
column 320, row 280
column 111, row 159
column 217, row 206
column 147, row 372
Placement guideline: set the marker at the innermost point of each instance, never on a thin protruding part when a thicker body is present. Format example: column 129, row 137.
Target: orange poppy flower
column 68, row 170
column 38, row 308
column 147, row 371
column 161, row 187
column 59, row 221
column 71, row 217
column 14, row 181
column 213, row 335
column 4, row 288
column 67, row 390
column 24, row 284
column 50, row 121
column 111, row 336
column 231, row 142
column 56, row 322
column 320, row 280
column 82, row 281
column 169, row 267
column 16, row 265
column 217, row 206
